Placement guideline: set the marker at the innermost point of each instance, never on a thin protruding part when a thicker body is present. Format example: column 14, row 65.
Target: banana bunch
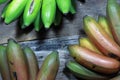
column 37, row 12
column 98, row 53
column 17, row 63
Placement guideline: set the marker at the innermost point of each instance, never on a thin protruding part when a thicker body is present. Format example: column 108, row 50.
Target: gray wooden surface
column 71, row 25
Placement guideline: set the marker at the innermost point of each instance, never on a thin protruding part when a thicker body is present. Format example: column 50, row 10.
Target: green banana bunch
column 2, row 1
column 48, row 12
column 17, row 61
column 38, row 22
column 64, row 5
column 4, row 69
column 14, row 10
column 84, row 73
column 32, row 63
column 49, row 67
column 31, row 10
column 58, row 18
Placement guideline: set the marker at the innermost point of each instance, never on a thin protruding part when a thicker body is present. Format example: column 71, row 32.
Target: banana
column 86, row 43
column 116, row 78
column 48, row 12
column 64, row 5
column 102, row 20
column 31, row 10
column 17, row 61
column 3, row 12
column 4, row 69
column 2, row 1
column 49, row 67
column 113, row 15
column 94, row 61
column 73, row 7
column 32, row 63
column 100, row 38
column 84, row 73
column 38, row 22
column 58, row 18
column 14, row 10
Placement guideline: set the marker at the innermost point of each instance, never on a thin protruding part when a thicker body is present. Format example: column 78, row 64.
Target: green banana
column 14, row 10
column 84, row 73
column 64, row 5
column 31, row 10
column 49, row 67
column 17, row 61
column 32, row 63
column 58, row 18
column 113, row 15
column 73, row 7
column 4, row 69
column 38, row 22
column 2, row 1
column 3, row 12
column 102, row 20
column 48, row 12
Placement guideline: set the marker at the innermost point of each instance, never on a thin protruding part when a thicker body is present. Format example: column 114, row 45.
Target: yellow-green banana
column 64, row 5
column 17, row 61
column 14, row 10
column 48, row 12
column 102, row 20
column 58, row 18
column 32, row 63
column 82, row 72
column 49, row 67
column 86, row 43
column 73, row 7
column 38, row 22
column 4, row 69
column 31, row 10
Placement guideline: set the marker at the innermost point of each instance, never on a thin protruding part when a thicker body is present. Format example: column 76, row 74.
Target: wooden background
column 44, row 41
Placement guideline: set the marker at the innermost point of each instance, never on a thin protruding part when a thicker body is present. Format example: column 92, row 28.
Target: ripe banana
column 94, row 61
column 113, row 15
column 31, row 10
column 64, row 5
column 17, row 61
column 100, row 38
column 86, row 43
column 14, row 10
column 38, row 22
column 4, row 69
column 102, row 20
column 49, row 67
column 84, row 73
column 73, row 7
column 58, row 18
column 32, row 63
column 2, row 1
column 48, row 12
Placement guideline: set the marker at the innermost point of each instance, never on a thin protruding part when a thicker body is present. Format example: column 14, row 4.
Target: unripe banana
column 17, row 61
column 100, row 38
column 94, row 61
column 102, row 20
column 4, row 69
column 2, row 1
column 73, row 7
column 49, row 68
column 58, row 18
column 31, row 10
column 84, row 73
column 48, row 12
column 32, row 63
column 14, row 10
column 38, row 22
column 113, row 15
column 86, row 43
column 116, row 78
column 64, row 5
